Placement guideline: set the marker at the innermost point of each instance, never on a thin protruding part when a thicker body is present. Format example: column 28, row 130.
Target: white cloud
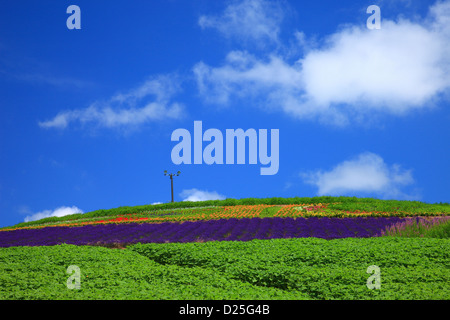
column 199, row 195
column 352, row 73
column 126, row 109
column 248, row 20
column 396, row 68
column 59, row 212
column 245, row 75
column 157, row 202
column 367, row 173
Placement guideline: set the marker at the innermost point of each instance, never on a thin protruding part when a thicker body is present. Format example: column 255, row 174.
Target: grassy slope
column 336, row 203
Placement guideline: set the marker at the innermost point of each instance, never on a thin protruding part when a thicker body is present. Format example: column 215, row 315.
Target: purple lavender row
column 244, row 229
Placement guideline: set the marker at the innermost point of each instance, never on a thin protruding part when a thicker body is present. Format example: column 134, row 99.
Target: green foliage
column 441, row 231
column 40, row 273
column 321, row 269
column 368, row 204
column 305, row 268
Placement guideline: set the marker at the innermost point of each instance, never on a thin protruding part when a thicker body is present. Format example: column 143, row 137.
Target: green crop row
column 41, row 273
column 368, row 204
column 322, row 269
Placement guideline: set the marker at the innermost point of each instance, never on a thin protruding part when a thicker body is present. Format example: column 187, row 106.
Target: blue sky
column 86, row 115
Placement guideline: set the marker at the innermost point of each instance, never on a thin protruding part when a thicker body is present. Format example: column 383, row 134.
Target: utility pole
column 171, row 179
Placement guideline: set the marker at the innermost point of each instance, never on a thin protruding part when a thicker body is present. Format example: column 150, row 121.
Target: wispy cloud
column 200, row 195
column 350, row 74
column 365, row 174
column 62, row 82
column 244, row 74
column 29, row 70
column 59, row 212
column 256, row 21
column 150, row 101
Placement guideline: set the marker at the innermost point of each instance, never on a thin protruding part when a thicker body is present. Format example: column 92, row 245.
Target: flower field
column 216, row 223
column 230, row 212
column 249, row 249
column 232, row 229
column 437, row 227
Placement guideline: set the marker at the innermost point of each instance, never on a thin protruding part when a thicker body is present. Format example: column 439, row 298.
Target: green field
column 308, row 268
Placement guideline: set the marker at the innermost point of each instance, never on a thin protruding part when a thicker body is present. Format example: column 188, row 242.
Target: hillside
column 190, row 211
column 289, row 249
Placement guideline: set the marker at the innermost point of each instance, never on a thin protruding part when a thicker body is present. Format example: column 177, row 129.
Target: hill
column 290, row 249
column 335, row 206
